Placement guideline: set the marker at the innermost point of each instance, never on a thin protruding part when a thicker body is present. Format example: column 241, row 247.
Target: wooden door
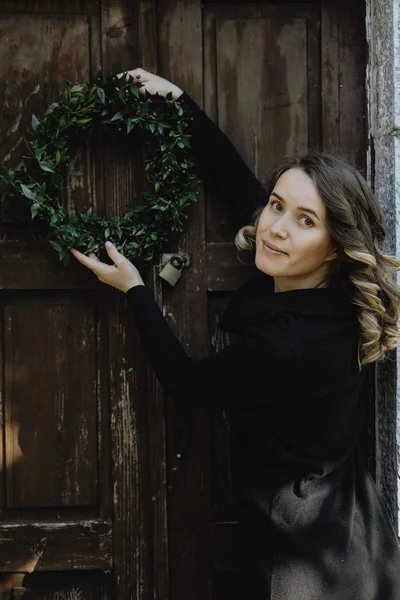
column 279, row 78
column 76, row 506
column 106, row 489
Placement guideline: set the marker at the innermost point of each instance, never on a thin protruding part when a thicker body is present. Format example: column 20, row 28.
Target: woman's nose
column 278, row 228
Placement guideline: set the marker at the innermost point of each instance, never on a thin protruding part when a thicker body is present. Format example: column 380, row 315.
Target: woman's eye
column 306, row 221
column 276, row 205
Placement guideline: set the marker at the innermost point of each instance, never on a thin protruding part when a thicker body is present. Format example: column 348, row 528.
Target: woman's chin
column 268, row 267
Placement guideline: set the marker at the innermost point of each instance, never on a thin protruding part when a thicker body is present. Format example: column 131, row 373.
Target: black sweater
column 313, row 527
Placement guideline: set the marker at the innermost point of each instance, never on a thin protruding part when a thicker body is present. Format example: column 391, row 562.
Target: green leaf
column 117, row 117
column 58, row 156
column 77, row 88
column 46, row 166
column 27, row 192
column 130, row 125
column 35, row 209
column 101, row 95
column 51, row 108
column 152, row 127
column 83, row 121
column 35, row 122
column 56, row 246
column 39, row 152
column 134, row 90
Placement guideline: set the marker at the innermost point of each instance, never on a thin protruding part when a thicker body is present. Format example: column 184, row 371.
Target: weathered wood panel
column 330, row 79
column 262, row 86
column 34, row 73
column 305, row 62
column 50, row 405
column 155, row 402
column 352, row 102
column 42, row 546
column 124, row 176
column 34, row 265
column 55, row 342
column 189, row 518
column 227, row 268
column 51, row 7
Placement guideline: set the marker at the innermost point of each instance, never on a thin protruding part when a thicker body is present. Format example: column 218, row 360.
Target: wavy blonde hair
column 362, row 269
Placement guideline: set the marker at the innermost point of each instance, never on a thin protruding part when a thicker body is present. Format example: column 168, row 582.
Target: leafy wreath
column 110, row 101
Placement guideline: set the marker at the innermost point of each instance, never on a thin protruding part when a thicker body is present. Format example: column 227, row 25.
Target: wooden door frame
column 383, row 160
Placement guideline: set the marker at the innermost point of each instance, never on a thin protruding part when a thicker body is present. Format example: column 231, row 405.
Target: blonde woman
column 324, row 306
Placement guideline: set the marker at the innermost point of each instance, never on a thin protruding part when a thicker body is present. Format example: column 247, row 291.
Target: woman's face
column 293, row 244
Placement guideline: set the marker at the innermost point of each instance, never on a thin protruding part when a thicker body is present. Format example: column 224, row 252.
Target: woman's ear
column 332, row 255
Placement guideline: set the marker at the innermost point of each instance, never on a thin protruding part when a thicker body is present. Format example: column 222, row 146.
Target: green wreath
column 112, row 102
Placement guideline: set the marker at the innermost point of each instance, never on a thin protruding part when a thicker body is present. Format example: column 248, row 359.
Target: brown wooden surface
column 305, row 63
column 189, row 514
column 90, row 479
column 123, row 177
column 56, row 546
column 64, row 417
column 74, row 480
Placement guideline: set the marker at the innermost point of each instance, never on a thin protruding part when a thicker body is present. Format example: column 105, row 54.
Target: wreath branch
column 110, row 102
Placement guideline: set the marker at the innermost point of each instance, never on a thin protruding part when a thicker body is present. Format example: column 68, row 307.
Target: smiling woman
column 312, row 525
column 293, row 226
column 322, row 227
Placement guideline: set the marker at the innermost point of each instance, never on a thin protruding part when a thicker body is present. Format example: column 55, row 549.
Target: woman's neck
column 288, row 284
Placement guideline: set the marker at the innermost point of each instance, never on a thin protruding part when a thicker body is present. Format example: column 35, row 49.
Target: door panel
column 75, row 502
column 279, row 78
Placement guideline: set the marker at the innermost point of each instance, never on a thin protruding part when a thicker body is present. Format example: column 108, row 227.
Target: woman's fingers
column 138, row 74
column 94, row 264
column 88, row 261
column 113, row 253
column 122, row 274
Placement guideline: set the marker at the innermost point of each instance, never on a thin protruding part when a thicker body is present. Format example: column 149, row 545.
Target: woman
column 324, row 306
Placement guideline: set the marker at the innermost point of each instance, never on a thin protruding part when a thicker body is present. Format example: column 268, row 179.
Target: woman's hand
column 122, row 275
column 153, row 84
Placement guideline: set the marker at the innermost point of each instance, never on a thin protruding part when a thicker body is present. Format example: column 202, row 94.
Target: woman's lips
column 272, row 249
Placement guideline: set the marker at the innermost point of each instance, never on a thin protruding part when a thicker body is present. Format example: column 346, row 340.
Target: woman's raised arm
column 218, row 158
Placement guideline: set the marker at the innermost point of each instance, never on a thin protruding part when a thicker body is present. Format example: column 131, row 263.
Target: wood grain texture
column 51, row 7
column 262, row 86
column 330, row 79
column 124, row 176
column 227, row 269
column 50, row 406
column 352, row 125
column 158, row 473
column 268, row 57
column 27, row 547
column 34, row 265
column 155, row 401
column 56, row 506
column 252, row 59
column 189, row 519
column 31, row 75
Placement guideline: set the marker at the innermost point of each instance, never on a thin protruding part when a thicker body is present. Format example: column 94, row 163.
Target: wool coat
column 312, row 526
